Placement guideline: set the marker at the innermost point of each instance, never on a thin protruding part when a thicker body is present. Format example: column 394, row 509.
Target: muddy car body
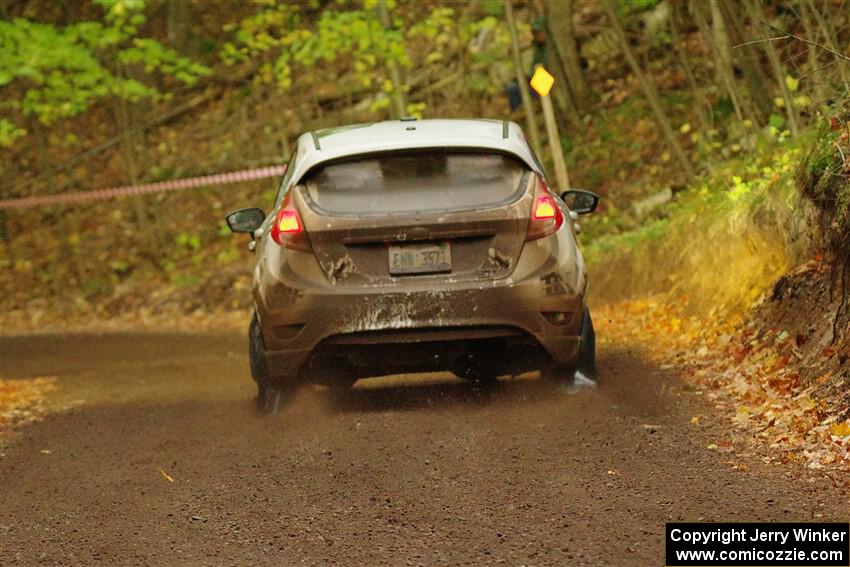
column 416, row 246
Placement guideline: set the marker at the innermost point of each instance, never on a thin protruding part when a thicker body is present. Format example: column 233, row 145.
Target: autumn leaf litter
column 750, row 377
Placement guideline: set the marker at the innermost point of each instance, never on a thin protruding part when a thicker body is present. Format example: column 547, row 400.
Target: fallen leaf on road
column 22, row 399
column 166, row 475
column 752, row 375
column 840, row 429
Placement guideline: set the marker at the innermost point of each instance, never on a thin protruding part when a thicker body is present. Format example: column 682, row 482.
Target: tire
column 272, row 391
column 259, row 367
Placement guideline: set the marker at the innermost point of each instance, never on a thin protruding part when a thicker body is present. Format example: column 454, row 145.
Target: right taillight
column 546, row 215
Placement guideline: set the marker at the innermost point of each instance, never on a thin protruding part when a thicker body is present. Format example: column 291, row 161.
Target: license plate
column 420, row 258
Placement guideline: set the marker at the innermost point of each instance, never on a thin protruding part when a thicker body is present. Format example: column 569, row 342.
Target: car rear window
column 416, row 181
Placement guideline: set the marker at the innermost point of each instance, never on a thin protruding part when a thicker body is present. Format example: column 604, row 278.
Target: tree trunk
column 829, row 35
column 149, row 240
column 568, row 114
column 397, row 104
column 703, row 111
column 179, row 15
column 649, row 91
column 4, row 236
column 8, row 170
column 749, row 61
column 527, row 103
column 819, row 83
column 722, row 60
column 65, row 222
column 757, row 18
column 561, row 38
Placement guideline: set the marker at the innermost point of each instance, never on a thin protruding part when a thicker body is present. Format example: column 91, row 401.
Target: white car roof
column 333, row 143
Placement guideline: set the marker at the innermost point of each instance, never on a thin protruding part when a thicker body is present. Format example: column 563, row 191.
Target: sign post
column 542, row 82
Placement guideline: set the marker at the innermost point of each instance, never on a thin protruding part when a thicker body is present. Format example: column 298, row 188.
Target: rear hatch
column 412, row 217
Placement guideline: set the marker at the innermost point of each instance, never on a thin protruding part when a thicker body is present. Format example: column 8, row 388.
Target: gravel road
column 162, row 460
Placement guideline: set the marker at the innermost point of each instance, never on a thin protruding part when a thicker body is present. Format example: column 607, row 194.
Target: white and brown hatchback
column 411, row 246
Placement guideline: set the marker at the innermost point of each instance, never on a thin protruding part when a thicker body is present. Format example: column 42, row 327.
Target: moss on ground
column 824, row 177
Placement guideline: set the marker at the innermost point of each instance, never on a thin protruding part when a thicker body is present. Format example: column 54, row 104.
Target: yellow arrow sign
column 542, row 81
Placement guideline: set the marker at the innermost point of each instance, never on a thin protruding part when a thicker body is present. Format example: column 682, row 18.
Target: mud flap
column 270, row 400
column 584, row 377
column 578, row 384
column 586, row 370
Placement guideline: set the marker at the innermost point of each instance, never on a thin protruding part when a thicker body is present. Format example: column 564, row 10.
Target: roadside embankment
column 741, row 284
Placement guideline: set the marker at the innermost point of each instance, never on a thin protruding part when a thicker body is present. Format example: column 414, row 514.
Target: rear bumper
column 309, row 319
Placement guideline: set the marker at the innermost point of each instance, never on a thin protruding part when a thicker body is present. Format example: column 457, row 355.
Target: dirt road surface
column 162, row 460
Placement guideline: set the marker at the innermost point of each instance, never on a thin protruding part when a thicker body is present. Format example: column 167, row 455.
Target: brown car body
column 333, row 300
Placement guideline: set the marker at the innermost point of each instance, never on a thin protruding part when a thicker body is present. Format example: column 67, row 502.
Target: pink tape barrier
column 158, row 187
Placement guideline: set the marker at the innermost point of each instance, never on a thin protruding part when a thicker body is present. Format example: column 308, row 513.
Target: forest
column 721, row 118
column 717, row 133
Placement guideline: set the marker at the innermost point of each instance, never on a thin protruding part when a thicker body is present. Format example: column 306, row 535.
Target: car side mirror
column 581, row 202
column 245, row 220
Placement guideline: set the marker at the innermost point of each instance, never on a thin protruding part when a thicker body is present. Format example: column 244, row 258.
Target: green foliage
column 494, row 8
column 91, row 287
column 278, row 36
column 438, row 21
column 184, row 280
column 227, row 256
column 740, row 189
column 415, row 109
column 50, row 73
column 9, row 133
column 188, row 241
column 776, row 121
column 723, row 109
column 487, row 41
column 626, row 7
column 285, row 45
column 223, row 230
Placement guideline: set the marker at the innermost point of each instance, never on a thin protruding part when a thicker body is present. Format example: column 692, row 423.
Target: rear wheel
column 257, row 355
column 270, row 392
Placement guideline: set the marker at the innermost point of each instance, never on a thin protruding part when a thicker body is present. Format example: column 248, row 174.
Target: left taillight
column 288, row 230
column 546, row 215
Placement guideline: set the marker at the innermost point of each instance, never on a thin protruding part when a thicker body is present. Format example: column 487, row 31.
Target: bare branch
column 789, row 35
column 763, row 40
